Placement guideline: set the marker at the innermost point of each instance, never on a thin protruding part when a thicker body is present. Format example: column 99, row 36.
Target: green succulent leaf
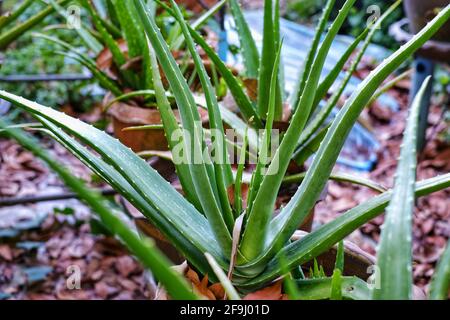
column 440, row 284
column 6, row 20
column 263, row 159
column 222, row 167
column 395, row 249
column 110, row 42
column 201, row 170
column 267, row 61
column 220, row 274
column 91, row 42
column 169, row 207
column 326, row 236
column 352, row 288
column 131, row 26
column 11, row 35
column 246, row 107
column 198, row 23
column 171, row 126
column 340, row 177
column 249, row 49
column 75, row 54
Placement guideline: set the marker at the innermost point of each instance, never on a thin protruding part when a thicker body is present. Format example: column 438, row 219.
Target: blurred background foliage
column 34, row 56
column 309, row 11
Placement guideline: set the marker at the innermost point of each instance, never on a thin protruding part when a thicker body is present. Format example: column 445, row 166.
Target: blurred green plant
column 21, row 58
column 113, row 47
column 307, row 10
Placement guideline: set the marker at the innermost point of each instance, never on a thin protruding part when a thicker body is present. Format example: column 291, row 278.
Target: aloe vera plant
column 245, row 241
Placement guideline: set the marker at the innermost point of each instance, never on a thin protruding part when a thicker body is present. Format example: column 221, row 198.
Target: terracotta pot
column 125, row 115
column 420, row 12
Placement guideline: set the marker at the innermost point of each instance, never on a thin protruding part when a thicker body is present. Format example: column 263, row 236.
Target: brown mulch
column 105, row 269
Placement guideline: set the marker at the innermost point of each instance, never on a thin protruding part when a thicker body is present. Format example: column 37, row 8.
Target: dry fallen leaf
column 269, row 293
column 6, row 252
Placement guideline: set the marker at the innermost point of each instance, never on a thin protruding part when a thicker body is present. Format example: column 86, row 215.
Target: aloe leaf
column 307, row 64
column 440, row 284
column 148, row 93
column 263, row 156
column 280, row 84
column 224, row 175
column 320, row 289
column 326, row 84
column 30, row 125
column 106, row 11
column 147, row 65
column 84, row 60
column 131, row 26
column 11, row 35
column 336, row 285
column 200, row 169
column 267, row 61
column 106, row 37
column 322, row 239
column 224, row 281
column 102, row 78
column 340, row 255
column 290, row 285
column 150, row 257
column 171, row 126
column 145, row 127
column 111, row 44
column 168, row 203
column 309, row 147
column 189, row 246
column 13, row 16
column 254, row 239
column 246, row 108
column 389, row 85
column 283, row 226
column 238, row 180
column 368, row 34
column 248, row 46
column 112, row 15
column 395, row 249
column 336, row 279
column 340, row 177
